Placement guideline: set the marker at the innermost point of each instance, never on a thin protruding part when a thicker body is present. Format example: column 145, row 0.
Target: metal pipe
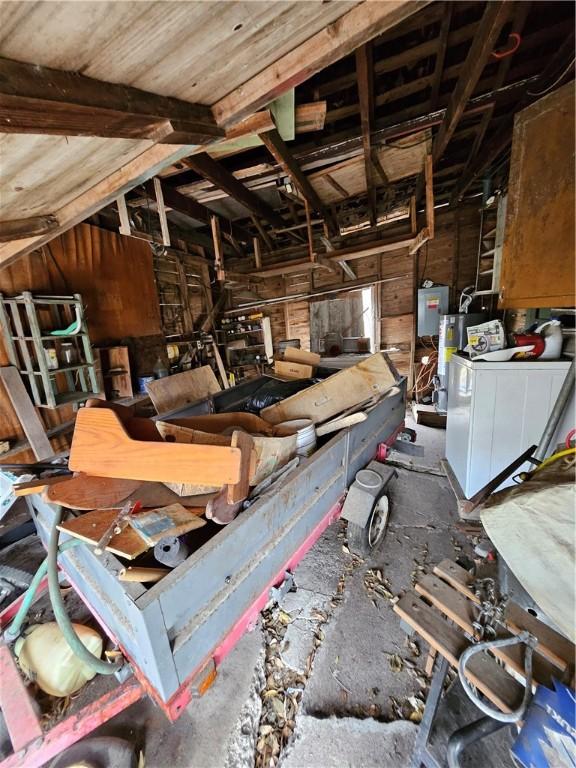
column 463, row 737
column 562, row 400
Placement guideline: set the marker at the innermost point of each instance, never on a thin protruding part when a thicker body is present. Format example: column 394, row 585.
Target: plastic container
column 552, row 333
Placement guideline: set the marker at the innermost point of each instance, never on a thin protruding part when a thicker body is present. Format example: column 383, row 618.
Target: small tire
column 363, row 539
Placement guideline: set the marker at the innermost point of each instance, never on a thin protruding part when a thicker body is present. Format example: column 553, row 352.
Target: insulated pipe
column 554, row 419
column 76, row 645
column 463, row 737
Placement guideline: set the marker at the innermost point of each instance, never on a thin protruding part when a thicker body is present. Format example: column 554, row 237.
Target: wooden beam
column 311, row 253
column 26, row 413
column 372, row 248
column 124, row 228
column 335, row 185
column 441, row 54
column 262, row 232
column 212, row 170
column 364, row 75
column 39, row 100
column 353, row 29
column 191, row 208
column 428, row 174
column 290, row 268
column 277, row 147
column 413, row 224
column 218, row 252
column 161, row 211
column 521, row 11
column 495, row 16
column 32, row 227
column 257, row 253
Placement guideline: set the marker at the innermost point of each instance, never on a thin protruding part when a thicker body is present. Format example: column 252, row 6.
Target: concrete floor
column 362, row 680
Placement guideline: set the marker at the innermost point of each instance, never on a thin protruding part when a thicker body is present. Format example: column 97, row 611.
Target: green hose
column 15, row 627
column 76, row 645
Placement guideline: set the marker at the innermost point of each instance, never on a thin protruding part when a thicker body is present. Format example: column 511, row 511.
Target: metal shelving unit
column 27, row 344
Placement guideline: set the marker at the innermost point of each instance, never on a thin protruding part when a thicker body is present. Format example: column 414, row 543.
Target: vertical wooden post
column 257, row 253
column 161, row 211
column 124, row 227
column 309, row 231
column 428, row 172
column 413, row 221
column 218, row 253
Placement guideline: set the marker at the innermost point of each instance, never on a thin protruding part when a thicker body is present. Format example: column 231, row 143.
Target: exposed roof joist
column 41, row 100
column 364, row 74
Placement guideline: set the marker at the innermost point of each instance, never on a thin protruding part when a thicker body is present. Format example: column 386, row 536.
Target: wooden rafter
column 35, row 225
column 353, row 29
column 366, row 97
column 279, row 150
column 441, row 54
column 40, row 100
column 521, row 11
column 495, row 16
column 211, row 169
column 193, row 209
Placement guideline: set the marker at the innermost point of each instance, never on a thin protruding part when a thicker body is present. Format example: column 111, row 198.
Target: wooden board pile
column 180, row 470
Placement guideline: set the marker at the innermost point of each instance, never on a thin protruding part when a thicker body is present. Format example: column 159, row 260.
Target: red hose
column 516, row 40
column 569, row 437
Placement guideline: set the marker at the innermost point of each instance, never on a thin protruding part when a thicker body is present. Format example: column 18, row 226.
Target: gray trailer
column 176, row 632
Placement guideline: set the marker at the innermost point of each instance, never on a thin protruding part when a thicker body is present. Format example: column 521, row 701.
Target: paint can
column 142, row 381
column 305, row 432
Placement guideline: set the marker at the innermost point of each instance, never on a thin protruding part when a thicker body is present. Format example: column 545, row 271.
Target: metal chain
column 490, row 610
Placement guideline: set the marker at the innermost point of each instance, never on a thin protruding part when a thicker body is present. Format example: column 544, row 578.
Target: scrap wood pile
column 146, row 484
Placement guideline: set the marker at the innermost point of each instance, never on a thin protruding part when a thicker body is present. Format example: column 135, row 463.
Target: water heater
column 451, row 337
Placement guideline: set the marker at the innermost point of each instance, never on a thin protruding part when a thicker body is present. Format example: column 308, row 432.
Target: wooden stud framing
column 364, row 74
column 413, row 220
column 428, row 173
column 124, row 228
column 257, row 253
column 441, row 54
column 34, row 226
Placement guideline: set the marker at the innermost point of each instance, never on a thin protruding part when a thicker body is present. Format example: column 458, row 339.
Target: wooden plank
column 462, row 612
column 495, row 16
column 31, row 227
column 91, row 526
column 26, row 413
column 212, row 170
column 429, row 179
column 218, row 250
column 173, row 520
column 36, row 99
column 442, row 44
column 413, row 220
column 36, row 486
column 335, row 41
column 257, row 253
column 482, row 670
column 240, row 490
column 551, row 644
column 336, row 393
column 310, row 117
column 174, row 392
column 364, row 75
column 279, row 150
column 124, row 228
column 102, row 446
column 372, row 248
column 160, row 207
column 220, row 365
column 89, row 492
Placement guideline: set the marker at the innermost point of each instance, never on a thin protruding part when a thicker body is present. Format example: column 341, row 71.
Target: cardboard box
column 288, row 370
column 293, row 355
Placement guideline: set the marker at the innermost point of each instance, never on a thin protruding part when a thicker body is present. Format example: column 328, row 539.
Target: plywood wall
column 115, row 278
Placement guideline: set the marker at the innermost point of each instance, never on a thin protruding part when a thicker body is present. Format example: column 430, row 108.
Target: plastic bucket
column 305, row 434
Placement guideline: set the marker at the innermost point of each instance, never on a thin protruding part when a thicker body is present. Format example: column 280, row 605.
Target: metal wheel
column 361, row 540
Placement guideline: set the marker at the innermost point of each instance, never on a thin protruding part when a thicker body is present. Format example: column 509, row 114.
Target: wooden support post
column 429, row 175
column 309, row 231
column 220, row 365
column 26, row 413
column 218, row 252
column 124, row 227
column 161, row 211
column 413, row 221
column 257, row 253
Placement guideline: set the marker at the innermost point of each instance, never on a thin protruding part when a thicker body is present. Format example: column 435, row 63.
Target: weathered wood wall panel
column 113, row 274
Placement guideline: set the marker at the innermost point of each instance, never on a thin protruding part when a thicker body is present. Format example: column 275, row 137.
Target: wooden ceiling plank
column 365, row 79
column 211, row 169
column 495, row 16
column 35, row 99
column 336, row 40
column 441, row 54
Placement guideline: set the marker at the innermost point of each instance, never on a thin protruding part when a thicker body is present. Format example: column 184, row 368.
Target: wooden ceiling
column 378, row 86
column 446, row 81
